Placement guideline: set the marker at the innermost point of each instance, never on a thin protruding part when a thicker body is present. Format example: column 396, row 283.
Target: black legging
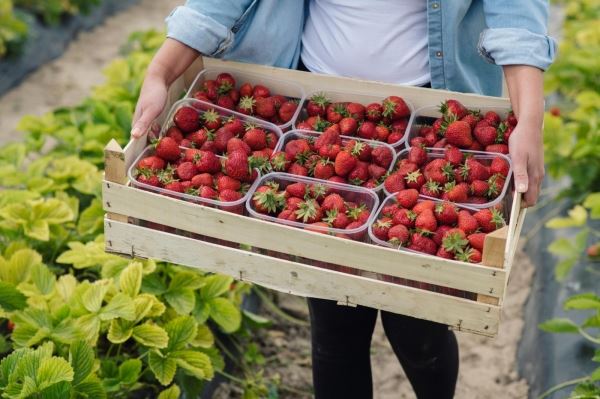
column 341, row 343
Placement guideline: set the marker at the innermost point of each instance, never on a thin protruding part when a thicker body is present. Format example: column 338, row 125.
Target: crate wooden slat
column 123, row 204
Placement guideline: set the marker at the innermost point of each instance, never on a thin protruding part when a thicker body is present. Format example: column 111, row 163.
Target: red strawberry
column 186, row 119
column 381, row 227
column 398, row 235
column 348, row 126
column 225, row 101
column 174, row 186
column 442, row 253
column 431, row 189
column 267, row 200
column 287, row 110
column 295, row 147
column 476, row 240
column 297, row 169
column 234, row 125
column 383, row 133
column 336, row 112
column 256, row 138
column 186, row 170
column 395, row 108
column 373, row 112
column 404, row 217
column 467, row 222
column 152, row 162
column 246, row 89
column 227, row 183
column 236, row 144
column 382, row 156
column 439, row 170
column 446, row 213
column 471, row 118
column 222, row 137
column 421, row 243
column 417, row 155
column 202, row 97
column 234, row 95
column 426, row 221
column 456, row 192
column 317, row 104
column 212, row 119
column 405, row 167
column 309, row 211
column 492, row 118
column 359, row 174
column 358, row 213
column 470, row 255
column 265, row 107
column 247, row 105
column 280, row 161
column 474, row 170
column 423, row 205
column 336, row 219
column 260, row 91
column 458, row 133
column 356, row 111
column 225, row 82
column 202, row 179
column 298, row 190
column 376, row 172
column 453, row 155
column 453, row 108
column 228, row 195
column 207, row 192
column 486, row 135
column 394, row 183
column 454, row 240
column 438, row 236
column 292, row 202
column 344, row 163
column 479, row 188
column 329, row 137
column 199, row 137
column 147, row 177
column 334, row 201
column 407, row 198
column 323, row 169
column 489, row 220
column 394, row 137
column 499, row 165
column 236, row 165
column 501, row 148
column 415, row 180
column 367, row 130
column 207, row 162
column 168, row 149
column 175, row 133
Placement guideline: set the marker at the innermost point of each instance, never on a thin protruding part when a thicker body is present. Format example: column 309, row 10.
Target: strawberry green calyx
column 321, row 124
column 278, row 162
column 270, row 200
column 464, row 254
column 318, row 190
column 210, row 116
column 341, row 109
column 432, row 187
column 260, row 163
column 307, row 210
column 454, row 242
column 224, row 88
column 497, row 218
column 448, row 171
column 500, row 132
column 244, row 188
column 413, row 177
column 356, row 181
column 357, row 148
column 332, row 214
column 320, row 99
column 449, row 186
column 355, row 212
column 250, row 126
column 247, row 103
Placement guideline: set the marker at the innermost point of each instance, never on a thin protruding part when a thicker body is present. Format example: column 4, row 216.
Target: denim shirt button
column 439, row 54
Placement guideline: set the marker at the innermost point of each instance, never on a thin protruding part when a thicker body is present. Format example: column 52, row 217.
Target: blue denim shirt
column 469, row 40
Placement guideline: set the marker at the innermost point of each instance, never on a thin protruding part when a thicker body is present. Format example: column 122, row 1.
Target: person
column 463, row 45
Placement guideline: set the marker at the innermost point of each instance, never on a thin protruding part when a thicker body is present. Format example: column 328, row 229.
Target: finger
column 520, row 173
column 141, row 126
column 531, row 196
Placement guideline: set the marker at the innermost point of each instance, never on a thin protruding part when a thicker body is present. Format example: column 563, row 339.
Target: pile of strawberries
column 385, row 121
column 328, row 157
column 449, row 174
column 438, row 228
column 208, row 130
column 318, row 206
column 198, row 172
column 257, row 100
column 467, row 129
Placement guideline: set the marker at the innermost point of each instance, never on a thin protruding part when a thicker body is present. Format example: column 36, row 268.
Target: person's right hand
column 152, row 100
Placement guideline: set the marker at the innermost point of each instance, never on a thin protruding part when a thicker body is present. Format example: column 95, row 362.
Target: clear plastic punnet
column 361, row 98
column 484, row 157
column 289, row 90
column 357, row 195
column 425, row 116
column 233, row 206
column 203, row 106
column 309, row 134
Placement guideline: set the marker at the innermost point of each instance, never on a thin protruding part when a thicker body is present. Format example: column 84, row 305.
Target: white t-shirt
column 383, row 40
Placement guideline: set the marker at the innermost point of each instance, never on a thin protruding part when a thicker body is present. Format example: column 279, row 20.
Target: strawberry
column 212, row 119
column 317, row 105
column 272, row 140
column 474, row 170
column 207, row 192
column 246, row 89
column 174, row 186
column 453, row 155
column 367, row 130
column 417, row 155
column 442, row 253
column 373, row 112
column 318, row 191
column 486, row 135
column 479, row 188
column 499, row 165
column 225, row 182
column 421, row 243
column 394, row 137
column 398, row 235
column 323, row 169
column 430, row 139
column 147, row 177
column 476, row 240
column 186, row 170
column 472, row 118
column 407, row 198
column 267, row 200
column 458, row 133
column 309, row 211
column 439, row 170
column 287, row 110
column 202, row 179
column 467, row 222
column 329, row 137
column 209, row 146
column 333, row 201
column 260, row 91
column 358, row 213
column 187, row 143
column 225, row 82
column 441, row 143
column 295, row 147
column 399, row 125
column 356, row 111
column 344, row 163
column 426, row 221
column 501, row 148
column 237, row 144
column 492, row 118
column 431, row 189
column 382, row 133
column 453, row 108
column 454, row 240
column 292, row 202
column 234, row 125
column 298, row 190
column 199, row 137
column 297, row 169
column 210, row 88
column 423, row 205
column 234, row 95
column 438, row 236
column 357, row 236
column 382, row 156
column 348, row 126
column 405, row 167
column 175, row 133
column 206, row 162
column 395, row 108
column 186, row 119
column 489, row 219
column 390, row 210
column 247, row 105
column 456, row 192
column 404, row 217
column 359, row 174
column 236, row 165
column 381, row 228
column 225, row 101
column 394, row 183
column 256, row 138
column 152, row 162
column 279, row 161
column 228, row 195
column 446, row 213
column 470, row 255
column 202, row 97
column 415, row 180
column 336, row 219
column 222, row 137
column 265, row 107
column 168, row 149
column 375, row 171
column 336, row 112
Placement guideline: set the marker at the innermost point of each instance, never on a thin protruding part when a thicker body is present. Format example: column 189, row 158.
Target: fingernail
column 521, row 188
column 136, row 132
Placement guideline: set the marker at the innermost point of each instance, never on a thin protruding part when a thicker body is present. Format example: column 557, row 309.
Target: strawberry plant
column 52, row 10
column 13, row 31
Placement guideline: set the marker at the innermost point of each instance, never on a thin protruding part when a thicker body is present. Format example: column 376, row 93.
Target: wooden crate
column 125, row 206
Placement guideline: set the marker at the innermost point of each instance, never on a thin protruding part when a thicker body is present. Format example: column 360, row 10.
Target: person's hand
column 526, row 149
column 151, row 103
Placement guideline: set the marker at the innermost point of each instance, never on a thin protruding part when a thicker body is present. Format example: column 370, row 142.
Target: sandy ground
column 69, row 79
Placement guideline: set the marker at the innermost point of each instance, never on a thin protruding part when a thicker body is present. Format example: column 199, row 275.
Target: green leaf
column 592, row 202
column 182, row 300
column 577, row 217
column 181, row 331
column 91, row 219
column 225, row 314
column 119, row 331
column 163, row 367
column 92, row 298
column 17, row 269
column 153, row 284
column 201, row 311
column 91, row 388
column 43, row 278
column 173, row 392
column 11, row 299
column 563, row 268
column 204, row 337
column 151, row 335
column 81, row 357
column 595, row 376
column 583, row 301
column 196, row 363
column 563, row 247
column 52, row 371
column 592, row 322
column 596, row 357
column 119, row 306
column 129, row 371
column 130, row 280
column 559, row 325
column 186, row 280
column 215, row 286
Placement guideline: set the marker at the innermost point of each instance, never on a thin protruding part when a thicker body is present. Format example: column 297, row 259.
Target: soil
column 487, row 365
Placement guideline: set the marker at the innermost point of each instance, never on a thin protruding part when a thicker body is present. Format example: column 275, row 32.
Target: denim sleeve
column 517, row 33
column 207, row 25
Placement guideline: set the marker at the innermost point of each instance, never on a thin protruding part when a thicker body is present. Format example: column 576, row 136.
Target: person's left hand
column 526, row 149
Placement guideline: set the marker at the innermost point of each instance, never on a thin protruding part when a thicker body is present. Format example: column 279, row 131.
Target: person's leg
column 341, row 342
column 428, row 353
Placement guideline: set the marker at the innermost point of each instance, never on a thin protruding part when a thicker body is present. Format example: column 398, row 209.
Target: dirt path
column 68, row 80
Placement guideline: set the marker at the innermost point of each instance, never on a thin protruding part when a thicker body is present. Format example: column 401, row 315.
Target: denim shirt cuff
column 514, row 46
column 198, row 31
